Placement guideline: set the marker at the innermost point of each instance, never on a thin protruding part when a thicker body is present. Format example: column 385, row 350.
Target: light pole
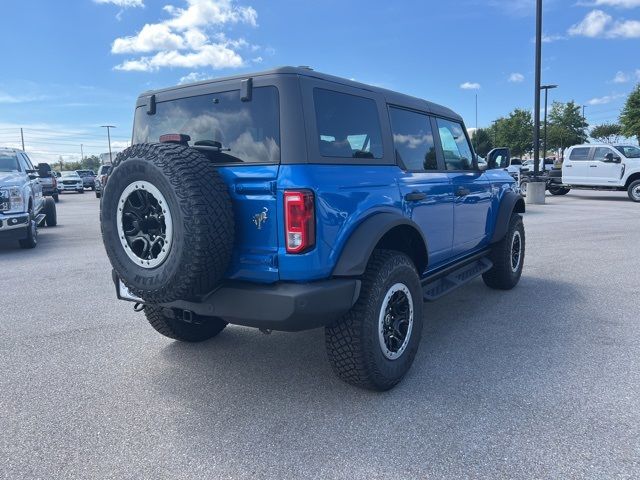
column 109, row 127
column 546, row 89
column 536, row 100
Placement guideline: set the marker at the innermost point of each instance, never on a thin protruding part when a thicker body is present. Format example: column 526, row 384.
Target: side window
column 24, row 164
column 455, row 146
column 579, row 154
column 348, row 126
column 413, row 139
column 601, row 152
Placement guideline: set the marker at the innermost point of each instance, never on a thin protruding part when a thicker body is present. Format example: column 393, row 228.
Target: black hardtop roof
column 390, row 96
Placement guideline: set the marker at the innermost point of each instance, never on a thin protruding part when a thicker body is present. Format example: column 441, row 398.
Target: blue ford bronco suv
column 290, row 200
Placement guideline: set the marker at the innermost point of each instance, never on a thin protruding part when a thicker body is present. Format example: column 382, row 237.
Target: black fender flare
column 360, row 245
column 511, row 202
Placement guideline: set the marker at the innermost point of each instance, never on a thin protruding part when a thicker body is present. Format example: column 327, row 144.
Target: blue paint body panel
column 345, row 196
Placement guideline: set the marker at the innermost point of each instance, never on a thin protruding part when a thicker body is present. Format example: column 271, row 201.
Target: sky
column 70, row 67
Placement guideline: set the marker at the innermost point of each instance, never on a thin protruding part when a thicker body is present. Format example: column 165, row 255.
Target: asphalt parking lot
column 539, row 382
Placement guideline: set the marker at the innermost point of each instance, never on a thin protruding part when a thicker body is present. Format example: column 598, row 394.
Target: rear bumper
column 284, row 306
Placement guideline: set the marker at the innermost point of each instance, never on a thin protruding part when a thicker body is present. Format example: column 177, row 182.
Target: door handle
column 593, row 166
column 462, row 192
column 568, row 166
column 415, row 196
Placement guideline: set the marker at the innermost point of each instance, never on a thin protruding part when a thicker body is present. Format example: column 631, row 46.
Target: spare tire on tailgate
column 167, row 222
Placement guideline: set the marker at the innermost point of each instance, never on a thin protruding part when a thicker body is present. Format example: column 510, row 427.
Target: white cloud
column 470, row 86
column 213, row 55
column 152, row 37
column 516, row 78
column 620, row 77
column 193, row 77
column 549, row 38
column 604, row 100
column 600, row 24
column 188, row 39
column 10, row 98
column 617, row 3
column 122, row 3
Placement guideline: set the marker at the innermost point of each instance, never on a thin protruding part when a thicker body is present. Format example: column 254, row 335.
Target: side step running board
column 40, row 219
column 435, row 289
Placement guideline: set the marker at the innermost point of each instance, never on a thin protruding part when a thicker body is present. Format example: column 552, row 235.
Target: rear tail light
column 300, row 220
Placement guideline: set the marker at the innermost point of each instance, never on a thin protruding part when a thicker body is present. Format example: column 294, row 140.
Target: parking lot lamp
column 546, row 89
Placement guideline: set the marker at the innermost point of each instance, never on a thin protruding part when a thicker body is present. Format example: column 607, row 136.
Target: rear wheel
column 634, row 191
column 557, row 190
column 374, row 344
column 55, row 197
column 51, row 216
column 167, row 322
column 81, row 191
column 98, row 194
column 508, row 257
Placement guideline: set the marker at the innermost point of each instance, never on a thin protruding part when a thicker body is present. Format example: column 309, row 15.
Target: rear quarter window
column 220, row 125
column 579, row 154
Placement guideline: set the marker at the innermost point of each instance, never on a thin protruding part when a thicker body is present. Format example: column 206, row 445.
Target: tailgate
column 253, row 192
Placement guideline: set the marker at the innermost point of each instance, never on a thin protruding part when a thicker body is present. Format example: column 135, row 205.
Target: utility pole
column 109, row 127
column 583, row 117
column 22, row 137
column 81, row 153
column 546, row 89
column 476, row 133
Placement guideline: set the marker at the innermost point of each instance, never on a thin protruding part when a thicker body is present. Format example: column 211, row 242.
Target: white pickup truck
column 600, row 166
column 22, row 204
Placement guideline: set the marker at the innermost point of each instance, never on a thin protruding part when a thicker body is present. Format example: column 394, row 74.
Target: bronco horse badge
column 260, row 218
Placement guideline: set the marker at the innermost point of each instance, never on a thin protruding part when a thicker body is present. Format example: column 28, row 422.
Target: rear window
column 9, row 163
column 348, row 126
column 220, row 125
column 579, row 154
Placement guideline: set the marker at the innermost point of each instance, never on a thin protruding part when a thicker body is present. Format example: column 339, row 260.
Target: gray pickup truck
column 23, row 207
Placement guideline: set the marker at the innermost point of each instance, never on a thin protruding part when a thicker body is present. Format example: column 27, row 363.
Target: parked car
column 101, row 179
column 48, row 180
column 23, row 207
column 70, row 181
column 324, row 203
column 603, row 167
column 88, row 178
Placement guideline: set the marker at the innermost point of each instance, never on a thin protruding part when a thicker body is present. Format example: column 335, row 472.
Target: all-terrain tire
column 353, row 343
column 56, row 197
column 165, row 322
column 506, row 272
column 199, row 204
column 51, row 215
column 98, row 194
column 634, row 191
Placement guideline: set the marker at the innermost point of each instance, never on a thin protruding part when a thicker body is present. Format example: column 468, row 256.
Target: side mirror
column 611, row 158
column 498, row 158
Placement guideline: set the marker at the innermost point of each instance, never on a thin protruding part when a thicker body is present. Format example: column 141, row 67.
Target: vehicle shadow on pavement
column 474, row 338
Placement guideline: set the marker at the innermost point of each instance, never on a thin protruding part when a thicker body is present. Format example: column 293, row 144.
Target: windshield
column 69, row 174
column 8, row 163
column 220, row 125
column 629, row 151
column 105, row 170
column 85, row 173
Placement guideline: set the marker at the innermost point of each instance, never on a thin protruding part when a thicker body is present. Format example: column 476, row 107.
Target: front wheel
column 634, row 191
column 374, row 344
column 81, row 191
column 51, row 216
column 508, row 257
column 56, row 198
column 31, row 241
column 168, row 323
column 523, row 187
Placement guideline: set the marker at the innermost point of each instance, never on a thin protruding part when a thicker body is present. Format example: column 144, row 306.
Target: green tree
column 630, row 116
column 566, row 126
column 482, row 141
column 607, row 132
column 514, row 132
column 91, row 163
